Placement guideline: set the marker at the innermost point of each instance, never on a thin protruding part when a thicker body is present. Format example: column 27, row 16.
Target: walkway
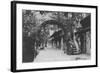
column 50, row 54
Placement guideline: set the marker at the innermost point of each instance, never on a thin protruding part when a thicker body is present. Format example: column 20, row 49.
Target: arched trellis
column 57, row 35
column 54, row 22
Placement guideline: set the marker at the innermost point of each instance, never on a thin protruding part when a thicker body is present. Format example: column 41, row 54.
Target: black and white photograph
column 55, row 36
column 50, row 36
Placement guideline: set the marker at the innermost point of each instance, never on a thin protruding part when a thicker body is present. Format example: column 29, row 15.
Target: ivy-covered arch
column 54, row 22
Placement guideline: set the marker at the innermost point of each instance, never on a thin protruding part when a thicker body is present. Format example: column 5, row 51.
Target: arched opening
column 53, row 33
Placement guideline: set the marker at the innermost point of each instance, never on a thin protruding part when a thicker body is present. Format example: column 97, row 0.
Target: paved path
column 51, row 54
